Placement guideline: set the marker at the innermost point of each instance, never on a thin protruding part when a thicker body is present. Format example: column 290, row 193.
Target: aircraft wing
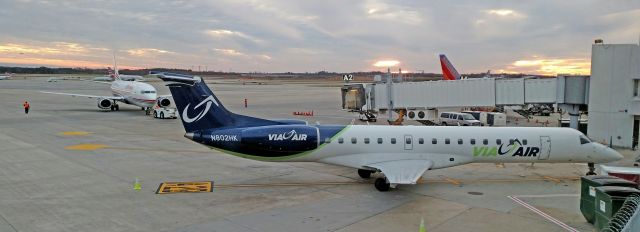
column 87, row 96
column 403, row 171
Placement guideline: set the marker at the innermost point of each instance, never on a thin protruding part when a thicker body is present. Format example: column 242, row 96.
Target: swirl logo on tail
column 209, row 101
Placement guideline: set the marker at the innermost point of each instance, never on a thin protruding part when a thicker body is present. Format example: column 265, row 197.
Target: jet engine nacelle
column 104, row 103
column 281, row 139
column 163, row 102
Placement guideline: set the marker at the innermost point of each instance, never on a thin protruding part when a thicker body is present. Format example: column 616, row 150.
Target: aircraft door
column 408, row 142
column 545, row 147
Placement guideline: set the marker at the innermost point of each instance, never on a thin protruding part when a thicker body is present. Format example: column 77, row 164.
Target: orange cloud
column 59, row 62
column 147, row 51
column 230, row 52
column 386, row 63
column 504, row 13
column 53, row 48
column 553, row 66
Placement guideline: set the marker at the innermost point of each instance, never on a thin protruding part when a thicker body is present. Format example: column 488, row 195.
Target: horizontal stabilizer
column 176, row 77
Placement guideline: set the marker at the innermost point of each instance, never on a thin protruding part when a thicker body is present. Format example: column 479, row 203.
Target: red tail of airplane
column 448, row 71
column 111, row 73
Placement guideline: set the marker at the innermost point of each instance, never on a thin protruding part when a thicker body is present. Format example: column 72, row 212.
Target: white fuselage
column 535, row 144
column 135, row 93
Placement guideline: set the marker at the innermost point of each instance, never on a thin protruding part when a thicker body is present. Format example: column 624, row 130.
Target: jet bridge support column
column 390, row 94
column 572, row 92
column 574, row 114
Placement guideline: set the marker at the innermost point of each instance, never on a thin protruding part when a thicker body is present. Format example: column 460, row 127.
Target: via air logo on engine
column 291, row 135
column 514, row 149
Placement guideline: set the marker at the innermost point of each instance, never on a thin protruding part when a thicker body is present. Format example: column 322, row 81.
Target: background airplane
column 402, row 154
column 448, row 71
column 6, row 76
column 129, row 92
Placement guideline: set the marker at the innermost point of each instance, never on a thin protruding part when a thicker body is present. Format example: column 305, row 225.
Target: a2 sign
column 347, row 77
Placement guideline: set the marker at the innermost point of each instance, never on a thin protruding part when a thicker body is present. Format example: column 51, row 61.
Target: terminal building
column 610, row 95
column 614, row 104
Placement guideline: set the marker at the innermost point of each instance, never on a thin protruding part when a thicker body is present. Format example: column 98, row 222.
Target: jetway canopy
column 469, row 93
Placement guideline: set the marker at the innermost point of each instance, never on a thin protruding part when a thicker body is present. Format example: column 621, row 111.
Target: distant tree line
column 103, row 71
column 99, row 71
column 47, row 70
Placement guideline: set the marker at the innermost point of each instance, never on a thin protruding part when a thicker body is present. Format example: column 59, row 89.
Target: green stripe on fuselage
column 279, row 158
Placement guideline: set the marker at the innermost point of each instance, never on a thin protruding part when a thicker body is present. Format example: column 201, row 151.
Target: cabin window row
column 354, row 140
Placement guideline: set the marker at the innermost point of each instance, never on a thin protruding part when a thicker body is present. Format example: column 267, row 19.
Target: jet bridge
column 421, row 99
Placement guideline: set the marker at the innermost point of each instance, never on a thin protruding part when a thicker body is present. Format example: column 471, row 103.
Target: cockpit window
column 584, row 139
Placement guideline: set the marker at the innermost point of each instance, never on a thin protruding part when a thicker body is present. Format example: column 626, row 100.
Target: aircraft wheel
column 162, row 115
column 117, row 107
column 592, row 169
column 155, row 114
column 113, row 108
column 382, row 185
column 364, row 174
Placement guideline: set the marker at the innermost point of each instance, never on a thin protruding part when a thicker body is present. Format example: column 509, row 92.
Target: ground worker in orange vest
column 26, row 107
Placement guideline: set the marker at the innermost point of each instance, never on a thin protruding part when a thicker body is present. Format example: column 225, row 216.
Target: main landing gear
column 115, row 107
column 381, row 183
column 147, row 110
column 592, row 169
column 364, row 174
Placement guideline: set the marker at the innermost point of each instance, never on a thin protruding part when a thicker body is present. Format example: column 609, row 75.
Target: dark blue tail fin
column 200, row 109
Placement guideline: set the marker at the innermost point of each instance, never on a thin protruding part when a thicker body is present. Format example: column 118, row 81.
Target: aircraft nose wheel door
column 408, row 142
column 545, row 147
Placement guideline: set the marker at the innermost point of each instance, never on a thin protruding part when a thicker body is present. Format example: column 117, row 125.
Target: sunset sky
column 535, row 37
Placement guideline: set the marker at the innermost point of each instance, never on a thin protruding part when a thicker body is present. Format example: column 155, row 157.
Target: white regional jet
column 129, row 92
column 401, row 153
column 5, row 76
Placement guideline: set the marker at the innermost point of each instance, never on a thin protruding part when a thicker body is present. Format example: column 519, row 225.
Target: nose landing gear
column 382, row 185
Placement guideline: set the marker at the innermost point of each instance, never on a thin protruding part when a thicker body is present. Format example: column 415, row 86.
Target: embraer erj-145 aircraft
column 401, row 153
column 129, row 92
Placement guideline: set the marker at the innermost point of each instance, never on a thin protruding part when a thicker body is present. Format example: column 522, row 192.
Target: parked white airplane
column 5, row 76
column 129, row 92
column 401, row 153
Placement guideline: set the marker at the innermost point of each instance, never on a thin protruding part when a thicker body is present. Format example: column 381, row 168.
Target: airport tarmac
column 67, row 166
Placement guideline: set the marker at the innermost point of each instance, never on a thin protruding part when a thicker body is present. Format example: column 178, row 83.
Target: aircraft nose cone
column 608, row 155
column 614, row 155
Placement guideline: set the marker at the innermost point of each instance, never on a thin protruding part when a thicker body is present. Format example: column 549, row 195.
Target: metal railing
column 627, row 219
